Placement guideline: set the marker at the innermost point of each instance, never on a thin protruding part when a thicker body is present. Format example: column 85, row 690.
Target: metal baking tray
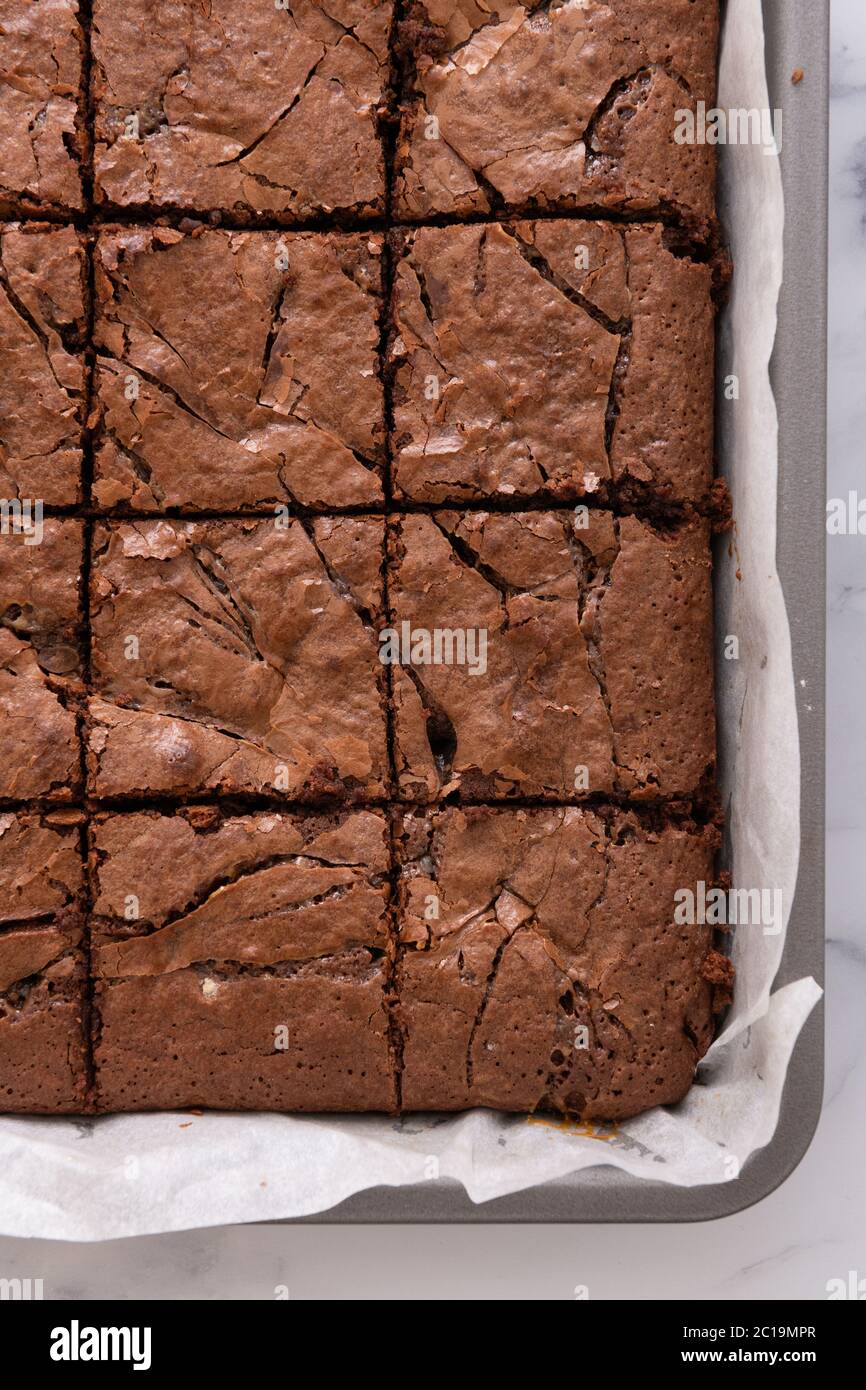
column 797, row 35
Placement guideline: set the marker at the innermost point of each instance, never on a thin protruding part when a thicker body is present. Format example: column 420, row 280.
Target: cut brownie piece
column 549, row 655
column 550, row 358
column 560, row 105
column 238, row 655
column 40, row 659
column 42, row 379
column 253, row 109
column 42, row 1047
column 251, row 972
column 41, row 106
column 238, row 369
column 542, row 966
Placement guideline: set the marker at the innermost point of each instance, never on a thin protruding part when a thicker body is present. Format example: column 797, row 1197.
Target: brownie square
column 251, row 972
column 42, row 376
column 563, row 105
column 42, row 970
column 251, row 110
column 550, row 358
column 541, row 966
column 238, row 656
column 41, row 106
column 40, row 660
column 550, row 654
column 237, row 369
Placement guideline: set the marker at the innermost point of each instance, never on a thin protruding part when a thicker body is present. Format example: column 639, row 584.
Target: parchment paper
column 128, row 1175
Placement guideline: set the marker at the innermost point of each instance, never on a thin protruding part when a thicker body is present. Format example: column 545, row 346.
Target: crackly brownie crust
column 237, row 656
column 550, row 358
column 42, row 373
column 42, row 970
column 41, row 107
column 563, row 105
column 237, row 369
column 252, row 972
column 598, row 672
column 250, row 110
column 540, row 966
column 315, row 315
column 40, row 661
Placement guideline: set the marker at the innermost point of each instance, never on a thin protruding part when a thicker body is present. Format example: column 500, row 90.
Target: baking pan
column 797, row 36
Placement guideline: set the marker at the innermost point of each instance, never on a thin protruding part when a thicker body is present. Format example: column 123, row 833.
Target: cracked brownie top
column 542, row 967
column 238, row 656
column 40, row 659
column 42, row 377
column 250, row 109
column 243, row 889
column 237, row 369
column 41, row 106
column 264, row 944
column 550, row 358
column 42, row 971
column 588, row 664
column 555, row 103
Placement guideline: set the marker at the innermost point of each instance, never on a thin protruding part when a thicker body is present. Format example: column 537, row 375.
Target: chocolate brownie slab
column 550, row 654
column 42, row 1048
column 250, row 972
column 41, row 106
column 541, row 965
column 550, row 358
column 559, row 105
column 40, row 659
column 42, row 377
column 238, row 656
column 237, row 369
column 252, row 109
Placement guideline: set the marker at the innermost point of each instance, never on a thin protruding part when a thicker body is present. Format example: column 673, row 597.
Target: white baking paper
column 133, row 1174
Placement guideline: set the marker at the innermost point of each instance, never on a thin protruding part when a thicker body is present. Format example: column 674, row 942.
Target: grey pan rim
column 797, row 36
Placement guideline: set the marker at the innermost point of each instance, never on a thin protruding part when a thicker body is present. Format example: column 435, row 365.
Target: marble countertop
column 813, row 1228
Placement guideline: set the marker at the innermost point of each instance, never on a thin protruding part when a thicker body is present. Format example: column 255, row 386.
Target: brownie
column 40, row 660
column 42, row 373
column 551, row 358
column 41, row 106
column 550, row 654
column 237, row 369
column 558, row 105
column 257, row 109
column 540, row 965
column 251, row 972
column 42, row 969
column 238, row 656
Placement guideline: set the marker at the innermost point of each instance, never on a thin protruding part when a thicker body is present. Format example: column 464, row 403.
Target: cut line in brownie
column 542, row 966
column 40, row 659
column 42, row 103
column 238, row 656
column 250, row 973
column 552, row 358
column 570, row 104
column 551, row 655
column 237, row 369
column 43, row 1055
column 43, row 325
column 253, row 110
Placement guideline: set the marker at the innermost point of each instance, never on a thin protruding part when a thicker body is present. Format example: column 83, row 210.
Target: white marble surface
column 814, row 1227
